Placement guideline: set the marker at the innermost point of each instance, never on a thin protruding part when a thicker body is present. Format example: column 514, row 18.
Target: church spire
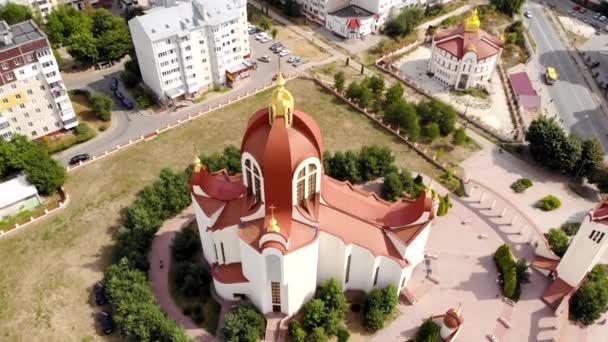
column 281, row 102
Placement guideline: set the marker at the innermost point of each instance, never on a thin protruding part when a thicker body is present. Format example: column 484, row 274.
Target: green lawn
column 48, row 269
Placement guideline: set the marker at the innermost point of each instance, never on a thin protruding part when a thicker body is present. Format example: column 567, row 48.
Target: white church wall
column 583, row 253
column 206, row 238
column 399, row 245
column 254, row 269
column 228, row 238
column 362, row 266
column 227, row 291
column 389, row 272
column 331, row 251
column 415, row 250
column 300, row 276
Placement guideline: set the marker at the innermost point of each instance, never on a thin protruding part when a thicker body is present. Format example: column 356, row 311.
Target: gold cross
column 272, row 208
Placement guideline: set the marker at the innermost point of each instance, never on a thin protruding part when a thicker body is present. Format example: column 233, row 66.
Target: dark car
column 114, row 83
column 127, row 103
column 100, row 293
column 105, row 322
column 118, row 94
column 80, row 158
column 594, row 65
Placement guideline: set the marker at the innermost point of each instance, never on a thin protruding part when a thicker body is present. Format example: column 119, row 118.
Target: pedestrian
column 551, row 101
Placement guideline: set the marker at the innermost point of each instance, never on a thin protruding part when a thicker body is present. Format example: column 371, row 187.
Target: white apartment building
column 33, row 99
column 355, row 18
column 188, row 47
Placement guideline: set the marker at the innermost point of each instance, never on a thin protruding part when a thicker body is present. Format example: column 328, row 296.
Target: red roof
column 556, row 292
column 600, row 212
column 229, row 273
column 353, row 23
column 457, row 41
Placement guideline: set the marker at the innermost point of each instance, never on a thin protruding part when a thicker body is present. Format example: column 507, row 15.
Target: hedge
column 549, row 203
column 521, row 185
column 507, row 268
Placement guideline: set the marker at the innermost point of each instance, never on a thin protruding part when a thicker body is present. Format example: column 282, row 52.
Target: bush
column 510, row 282
column 143, row 98
column 521, row 185
column 570, row 228
column 197, row 314
column 318, row 335
column 379, row 304
column 428, row 332
column 230, row 160
column 431, row 131
column 558, row 240
column 507, row 268
column 444, row 205
column 549, row 203
column 101, row 104
column 315, row 314
column 343, row 334
column 296, row 332
column 339, row 80
column 392, row 187
column 244, row 324
column 460, row 137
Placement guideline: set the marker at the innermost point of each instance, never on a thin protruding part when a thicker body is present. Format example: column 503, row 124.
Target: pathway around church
column 159, row 277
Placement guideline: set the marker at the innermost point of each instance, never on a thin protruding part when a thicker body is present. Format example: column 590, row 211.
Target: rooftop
column 14, row 190
column 162, row 22
column 352, row 11
column 23, row 32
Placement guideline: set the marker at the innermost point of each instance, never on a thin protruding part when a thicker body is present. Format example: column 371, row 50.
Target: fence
column 64, row 201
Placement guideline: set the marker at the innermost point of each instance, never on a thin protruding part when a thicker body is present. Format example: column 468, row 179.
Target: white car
column 291, row 59
column 265, row 59
column 528, row 14
column 284, row 52
column 265, row 40
column 261, row 35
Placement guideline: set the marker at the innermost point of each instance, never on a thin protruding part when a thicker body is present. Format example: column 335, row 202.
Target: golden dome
column 281, row 102
column 472, row 23
column 272, row 223
column 197, row 164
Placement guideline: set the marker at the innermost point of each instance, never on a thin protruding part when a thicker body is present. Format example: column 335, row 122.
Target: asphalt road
column 571, row 96
column 132, row 124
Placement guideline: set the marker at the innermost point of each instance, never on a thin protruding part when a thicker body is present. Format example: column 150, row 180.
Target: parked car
column 602, row 18
column 106, row 323
column 113, row 83
column 261, row 35
column 100, row 293
column 585, row 20
column 265, row 59
column 597, row 15
column 265, row 40
column 80, row 158
column 594, row 64
column 118, row 94
column 291, row 59
column 582, row 10
column 528, row 14
column 299, row 62
column 284, row 52
column 127, row 103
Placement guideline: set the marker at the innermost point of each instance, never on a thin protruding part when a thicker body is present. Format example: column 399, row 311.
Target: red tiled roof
column 218, row 185
column 556, row 292
column 600, row 212
column 207, row 204
column 457, row 41
column 545, row 263
column 229, row 273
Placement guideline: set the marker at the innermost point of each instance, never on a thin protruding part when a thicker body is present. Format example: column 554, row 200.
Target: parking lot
column 266, row 50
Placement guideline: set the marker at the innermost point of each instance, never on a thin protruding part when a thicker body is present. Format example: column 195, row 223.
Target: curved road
column 573, row 100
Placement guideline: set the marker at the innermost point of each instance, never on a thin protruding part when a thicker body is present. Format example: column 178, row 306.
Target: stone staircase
column 273, row 327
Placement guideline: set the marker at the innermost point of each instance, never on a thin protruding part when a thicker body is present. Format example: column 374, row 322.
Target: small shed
column 526, row 96
column 16, row 195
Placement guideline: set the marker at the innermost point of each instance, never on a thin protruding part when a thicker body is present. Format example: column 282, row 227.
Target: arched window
column 254, row 180
column 306, row 183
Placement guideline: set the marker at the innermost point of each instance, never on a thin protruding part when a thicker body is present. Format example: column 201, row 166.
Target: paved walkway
column 159, row 278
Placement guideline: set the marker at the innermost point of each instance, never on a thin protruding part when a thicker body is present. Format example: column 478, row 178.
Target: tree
column 392, row 187
column 14, row 13
column 403, row 114
column 570, row 228
column 378, row 305
column 438, row 112
column 592, row 155
column 375, row 161
column 599, row 177
column 393, row 94
column 83, row 47
column 296, row 332
column 558, row 240
column 59, row 59
column 331, row 294
column 244, row 324
column 591, row 299
column 185, row 244
column 343, row 334
column 291, row 8
column 339, row 80
column 265, row 24
column 508, row 7
column 376, row 85
column 102, row 106
column 431, row 131
column 354, row 90
column 551, row 147
column 460, row 137
column 315, row 314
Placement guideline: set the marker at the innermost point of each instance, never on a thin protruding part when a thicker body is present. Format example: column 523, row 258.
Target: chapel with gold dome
column 464, row 56
column 280, row 228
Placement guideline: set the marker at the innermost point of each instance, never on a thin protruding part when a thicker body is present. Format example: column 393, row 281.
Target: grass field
column 48, row 269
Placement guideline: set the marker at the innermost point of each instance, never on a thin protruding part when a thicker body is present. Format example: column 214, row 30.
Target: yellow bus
column 550, row 75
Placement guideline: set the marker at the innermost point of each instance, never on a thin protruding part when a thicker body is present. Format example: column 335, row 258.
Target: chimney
column 6, row 37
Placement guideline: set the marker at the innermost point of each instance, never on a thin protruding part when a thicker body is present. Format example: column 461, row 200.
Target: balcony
column 60, row 95
column 70, row 123
column 52, row 77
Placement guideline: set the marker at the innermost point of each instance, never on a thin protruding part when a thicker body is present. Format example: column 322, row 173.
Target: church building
column 282, row 227
column 464, row 56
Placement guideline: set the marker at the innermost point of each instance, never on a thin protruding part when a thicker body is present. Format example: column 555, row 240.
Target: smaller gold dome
column 273, row 225
column 197, row 164
column 281, row 102
column 472, row 23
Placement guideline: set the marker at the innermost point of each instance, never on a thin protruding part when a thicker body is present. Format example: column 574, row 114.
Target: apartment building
column 33, row 98
column 185, row 48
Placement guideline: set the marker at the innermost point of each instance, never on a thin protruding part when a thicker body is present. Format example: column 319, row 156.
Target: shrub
column 296, row 332
column 101, row 104
column 143, row 98
column 343, row 334
column 392, row 187
column 591, row 299
column 444, row 205
column 549, row 203
column 510, row 282
column 431, row 131
column 244, row 323
column 229, row 159
column 197, row 314
column 558, row 240
column 318, row 335
column 521, row 185
column 570, row 228
column 459, row 137
column 315, row 314
column 332, row 296
column 428, row 332
column 507, row 268
column 339, row 80
column 379, row 304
